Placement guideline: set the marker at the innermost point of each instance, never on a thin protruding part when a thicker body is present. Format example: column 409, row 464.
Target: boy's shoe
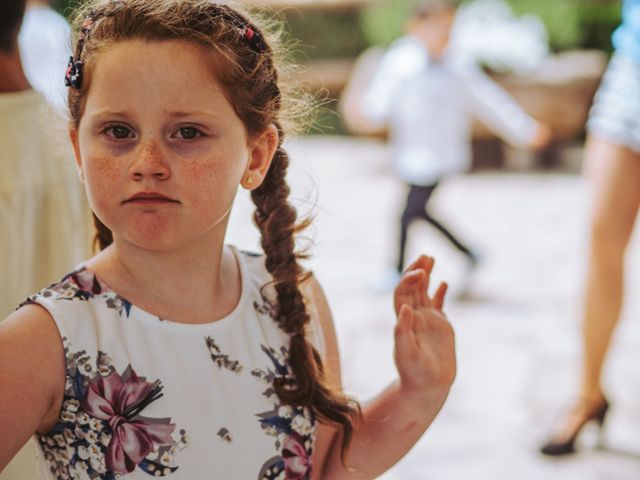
column 474, row 260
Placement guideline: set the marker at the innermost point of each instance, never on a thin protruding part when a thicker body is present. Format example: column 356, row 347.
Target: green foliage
column 562, row 19
column 570, row 23
column 64, row 6
column 325, row 33
column 574, row 23
column 383, row 21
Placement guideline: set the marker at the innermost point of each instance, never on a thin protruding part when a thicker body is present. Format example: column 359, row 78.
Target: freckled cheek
column 212, row 181
column 103, row 181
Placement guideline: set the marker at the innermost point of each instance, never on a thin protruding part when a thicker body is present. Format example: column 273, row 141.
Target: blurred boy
column 428, row 100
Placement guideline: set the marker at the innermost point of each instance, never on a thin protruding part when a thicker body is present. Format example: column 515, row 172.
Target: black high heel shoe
column 598, row 414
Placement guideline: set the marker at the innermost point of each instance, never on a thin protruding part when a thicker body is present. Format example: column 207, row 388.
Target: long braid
column 276, row 219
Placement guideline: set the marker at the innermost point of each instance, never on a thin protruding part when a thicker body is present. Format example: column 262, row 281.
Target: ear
column 73, row 136
column 261, row 152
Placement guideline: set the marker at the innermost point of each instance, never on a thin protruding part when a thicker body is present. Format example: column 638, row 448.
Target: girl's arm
column 394, row 420
column 32, row 373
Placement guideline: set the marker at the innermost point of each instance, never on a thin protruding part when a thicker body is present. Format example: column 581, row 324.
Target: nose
column 150, row 162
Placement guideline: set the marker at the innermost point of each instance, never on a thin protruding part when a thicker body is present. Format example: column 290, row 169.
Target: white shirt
column 45, row 47
column 429, row 106
column 44, row 219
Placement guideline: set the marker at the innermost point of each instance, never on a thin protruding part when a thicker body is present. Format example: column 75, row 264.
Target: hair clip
column 254, row 40
column 246, row 32
column 73, row 75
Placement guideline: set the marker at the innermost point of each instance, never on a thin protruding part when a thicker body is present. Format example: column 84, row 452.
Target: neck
column 174, row 285
column 12, row 77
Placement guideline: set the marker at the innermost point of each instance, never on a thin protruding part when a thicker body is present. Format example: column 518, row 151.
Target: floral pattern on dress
column 225, row 435
column 83, row 285
column 265, row 308
column 293, row 428
column 222, row 360
column 77, row 285
column 101, row 433
column 267, row 304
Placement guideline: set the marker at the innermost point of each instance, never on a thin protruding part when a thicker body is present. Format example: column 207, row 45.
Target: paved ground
column 516, row 338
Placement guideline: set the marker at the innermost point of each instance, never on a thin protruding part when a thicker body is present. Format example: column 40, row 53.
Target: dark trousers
column 416, row 209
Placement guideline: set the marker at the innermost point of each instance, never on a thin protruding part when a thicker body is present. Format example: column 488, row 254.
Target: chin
column 155, row 239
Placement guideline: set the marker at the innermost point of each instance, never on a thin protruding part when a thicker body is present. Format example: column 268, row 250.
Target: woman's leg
column 613, row 172
column 612, row 166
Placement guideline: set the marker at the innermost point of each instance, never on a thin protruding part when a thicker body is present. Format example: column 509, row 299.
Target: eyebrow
column 193, row 113
column 110, row 113
column 177, row 114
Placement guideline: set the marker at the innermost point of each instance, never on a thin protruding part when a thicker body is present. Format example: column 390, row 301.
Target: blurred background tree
column 570, row 23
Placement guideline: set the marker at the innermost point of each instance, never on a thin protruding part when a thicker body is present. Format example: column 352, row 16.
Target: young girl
column 169, row 353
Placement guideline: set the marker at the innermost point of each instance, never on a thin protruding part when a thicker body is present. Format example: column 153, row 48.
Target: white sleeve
column 497, row 110
column 401, row 61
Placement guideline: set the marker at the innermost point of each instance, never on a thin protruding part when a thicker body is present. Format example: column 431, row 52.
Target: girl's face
column 160, row 148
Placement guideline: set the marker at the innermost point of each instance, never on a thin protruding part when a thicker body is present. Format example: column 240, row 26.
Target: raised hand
column 424, row 339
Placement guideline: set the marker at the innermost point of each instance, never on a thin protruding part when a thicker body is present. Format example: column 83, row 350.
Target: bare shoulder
column 30, row 323
column 32, row 375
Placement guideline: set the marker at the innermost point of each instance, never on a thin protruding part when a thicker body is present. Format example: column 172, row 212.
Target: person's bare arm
column 32, row 376
column 394, row 420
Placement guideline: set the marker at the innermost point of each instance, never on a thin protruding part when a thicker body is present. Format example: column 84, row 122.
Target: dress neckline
column 131, row 310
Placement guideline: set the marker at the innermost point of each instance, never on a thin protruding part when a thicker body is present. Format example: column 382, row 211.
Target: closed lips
column 149, row 197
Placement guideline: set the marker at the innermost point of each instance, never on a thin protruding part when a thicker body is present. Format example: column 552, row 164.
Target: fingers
column 417, row 290
column 428, row 268
column 438, row 298
column 422, row 263
column 403, row 332
column 413, row 288
column 409, row 290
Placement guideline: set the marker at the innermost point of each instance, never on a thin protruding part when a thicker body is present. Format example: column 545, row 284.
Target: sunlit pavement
column 517, row 329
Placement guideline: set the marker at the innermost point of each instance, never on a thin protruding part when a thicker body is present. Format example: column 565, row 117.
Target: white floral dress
column 149, row 397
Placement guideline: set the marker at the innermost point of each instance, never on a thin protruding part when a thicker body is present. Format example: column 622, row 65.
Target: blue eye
column 189, row 133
